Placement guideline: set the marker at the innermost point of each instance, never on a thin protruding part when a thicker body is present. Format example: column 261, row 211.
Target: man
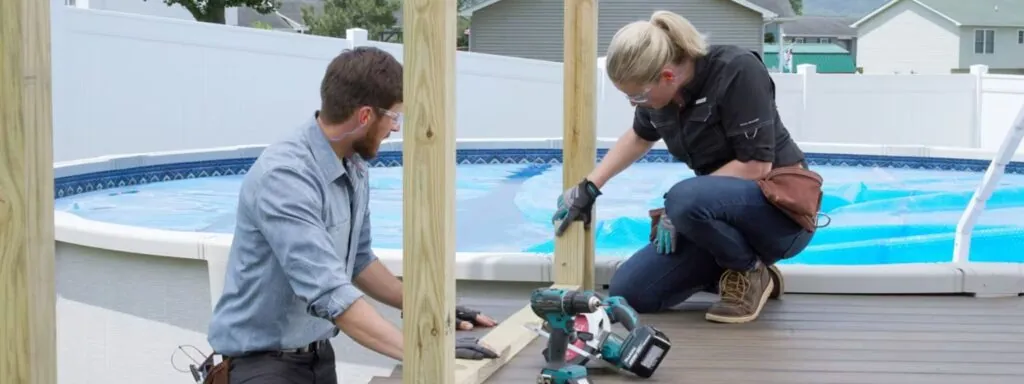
column 301, row 259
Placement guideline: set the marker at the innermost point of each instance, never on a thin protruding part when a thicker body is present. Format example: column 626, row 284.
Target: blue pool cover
column 879, row 215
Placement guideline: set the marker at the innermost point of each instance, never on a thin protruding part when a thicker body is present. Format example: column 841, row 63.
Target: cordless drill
column 640, row 352
column 559, row 307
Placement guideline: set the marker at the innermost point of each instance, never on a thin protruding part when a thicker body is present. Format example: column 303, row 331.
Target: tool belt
column 795, row 191
column 217, row 373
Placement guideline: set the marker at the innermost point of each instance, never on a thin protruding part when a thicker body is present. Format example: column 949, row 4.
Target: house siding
column 1006, row 51
column 533, row 28
column 908, row 38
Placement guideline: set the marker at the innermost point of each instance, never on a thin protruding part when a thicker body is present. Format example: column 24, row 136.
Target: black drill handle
column 558, row 343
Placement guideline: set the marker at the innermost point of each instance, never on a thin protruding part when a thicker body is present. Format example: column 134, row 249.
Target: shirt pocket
column 670, row 131
column 704, row 140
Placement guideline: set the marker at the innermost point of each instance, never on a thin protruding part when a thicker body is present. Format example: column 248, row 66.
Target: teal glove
column 665, row 237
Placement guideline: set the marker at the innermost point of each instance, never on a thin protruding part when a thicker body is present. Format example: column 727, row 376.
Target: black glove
column 469, row 348
column 574, row 204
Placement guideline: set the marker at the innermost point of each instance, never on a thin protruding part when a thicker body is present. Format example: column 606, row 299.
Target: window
column 984, row 41
column 1020, row 36
column 798, row 40
column 825, row 40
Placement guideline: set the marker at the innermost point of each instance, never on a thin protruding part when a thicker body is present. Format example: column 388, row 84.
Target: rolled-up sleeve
column 364, row 253
column 748, row 110
column 288, row 205
column 642, row 125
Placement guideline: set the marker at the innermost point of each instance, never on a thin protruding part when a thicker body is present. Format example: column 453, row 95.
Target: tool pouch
column 655, row 217
column 796, row 192
column 220, row 373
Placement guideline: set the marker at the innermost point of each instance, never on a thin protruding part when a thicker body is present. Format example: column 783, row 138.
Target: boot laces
column 734, row 285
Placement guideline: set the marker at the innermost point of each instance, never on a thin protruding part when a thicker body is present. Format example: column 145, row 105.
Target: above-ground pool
column 882, row 210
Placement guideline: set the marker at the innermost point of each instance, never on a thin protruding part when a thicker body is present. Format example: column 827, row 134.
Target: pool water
column 878, row 215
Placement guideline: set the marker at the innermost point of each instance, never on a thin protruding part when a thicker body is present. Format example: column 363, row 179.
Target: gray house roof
column 820, row 26
column 750, row 4
column 980, row 13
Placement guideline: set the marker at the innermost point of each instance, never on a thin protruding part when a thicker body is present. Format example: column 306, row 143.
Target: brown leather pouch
column 796, row 192
column 220, row 373
column 655, row 216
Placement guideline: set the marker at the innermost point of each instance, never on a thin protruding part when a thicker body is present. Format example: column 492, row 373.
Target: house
column 533, row 28
column 941, row 36
column 827, row 57
column 821, row 30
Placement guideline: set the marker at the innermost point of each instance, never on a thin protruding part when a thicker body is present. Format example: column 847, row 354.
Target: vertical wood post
column 28, row 338
column 428, row 187
column 574, row 251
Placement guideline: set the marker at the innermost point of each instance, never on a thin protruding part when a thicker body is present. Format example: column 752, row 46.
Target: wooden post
column 574, row 251
column 28, row 339
column 428, row 215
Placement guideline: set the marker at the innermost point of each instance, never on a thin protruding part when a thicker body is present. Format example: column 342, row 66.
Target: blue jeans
column 723, row 223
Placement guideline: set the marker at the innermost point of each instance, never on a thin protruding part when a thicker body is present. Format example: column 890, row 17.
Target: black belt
column 311, row 347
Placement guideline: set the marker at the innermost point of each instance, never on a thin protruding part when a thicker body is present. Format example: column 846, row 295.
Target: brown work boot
column 778, row 282
column 743, row 295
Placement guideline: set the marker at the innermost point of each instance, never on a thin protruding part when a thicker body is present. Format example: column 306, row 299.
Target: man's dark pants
column 309, row 367
column 723, row 223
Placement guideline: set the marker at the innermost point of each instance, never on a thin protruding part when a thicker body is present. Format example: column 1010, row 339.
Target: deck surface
column 832, row 339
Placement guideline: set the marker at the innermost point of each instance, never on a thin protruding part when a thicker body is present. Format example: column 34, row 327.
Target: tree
column 212, row 11
column 798, row 6
column 375, row 16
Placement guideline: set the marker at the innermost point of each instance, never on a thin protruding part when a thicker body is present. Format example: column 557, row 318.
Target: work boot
column 743, row 295
column 778, row 282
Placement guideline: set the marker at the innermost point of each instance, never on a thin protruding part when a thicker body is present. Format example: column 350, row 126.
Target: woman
column 714, row 106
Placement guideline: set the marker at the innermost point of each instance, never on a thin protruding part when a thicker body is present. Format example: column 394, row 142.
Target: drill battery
column 643, row 350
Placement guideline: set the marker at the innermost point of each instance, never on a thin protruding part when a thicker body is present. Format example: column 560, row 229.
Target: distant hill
column 845, row 8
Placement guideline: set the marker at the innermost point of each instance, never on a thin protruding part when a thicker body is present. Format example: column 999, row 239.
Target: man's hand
column 575, row 204
column 469, row 318
column 470, row 348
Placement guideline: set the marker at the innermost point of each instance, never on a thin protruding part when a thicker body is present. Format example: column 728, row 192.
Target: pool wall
column 985, row 279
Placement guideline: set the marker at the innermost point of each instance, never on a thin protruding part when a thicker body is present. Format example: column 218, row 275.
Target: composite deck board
column 817, row 339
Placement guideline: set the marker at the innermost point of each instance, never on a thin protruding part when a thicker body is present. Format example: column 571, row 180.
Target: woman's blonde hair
column 639, row 51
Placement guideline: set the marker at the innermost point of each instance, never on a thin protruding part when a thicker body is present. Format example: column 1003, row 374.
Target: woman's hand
column 574, row 204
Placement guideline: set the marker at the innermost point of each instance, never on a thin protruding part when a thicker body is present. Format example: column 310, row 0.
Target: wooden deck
column 832, row 339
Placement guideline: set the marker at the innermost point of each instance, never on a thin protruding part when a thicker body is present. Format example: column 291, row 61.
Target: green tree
column 798, row 6
column 212, row 11
column 375, row 16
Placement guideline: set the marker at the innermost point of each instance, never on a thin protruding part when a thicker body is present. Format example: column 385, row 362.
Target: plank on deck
column 811, row 339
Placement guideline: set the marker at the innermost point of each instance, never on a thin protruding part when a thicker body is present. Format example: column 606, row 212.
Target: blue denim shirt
column 302, row 234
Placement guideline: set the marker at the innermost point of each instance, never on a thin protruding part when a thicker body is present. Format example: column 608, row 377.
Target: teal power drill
column 640, row 352
column 559, row 307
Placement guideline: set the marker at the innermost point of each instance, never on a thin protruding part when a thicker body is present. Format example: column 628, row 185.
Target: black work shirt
column 729, row 113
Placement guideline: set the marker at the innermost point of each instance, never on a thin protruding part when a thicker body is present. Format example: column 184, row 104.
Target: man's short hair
column 364, row 76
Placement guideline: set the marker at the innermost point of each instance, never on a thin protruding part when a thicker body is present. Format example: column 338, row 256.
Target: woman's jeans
column 723, row 223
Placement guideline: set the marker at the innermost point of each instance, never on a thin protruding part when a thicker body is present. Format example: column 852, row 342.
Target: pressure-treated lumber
column 28, row 338
column 574, row 251
column 428, row 215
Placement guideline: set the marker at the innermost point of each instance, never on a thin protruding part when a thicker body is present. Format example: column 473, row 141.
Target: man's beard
column 366, row 148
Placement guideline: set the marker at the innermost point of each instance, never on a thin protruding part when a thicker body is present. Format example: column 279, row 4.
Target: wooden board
column 27, row 290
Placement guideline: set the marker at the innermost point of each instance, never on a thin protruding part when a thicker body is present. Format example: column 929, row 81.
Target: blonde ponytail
column 639, row 51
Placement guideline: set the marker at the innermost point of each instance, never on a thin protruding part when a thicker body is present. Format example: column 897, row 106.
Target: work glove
column 665, row 236
column 575, row 203
column 469, row 318
column 469, row 348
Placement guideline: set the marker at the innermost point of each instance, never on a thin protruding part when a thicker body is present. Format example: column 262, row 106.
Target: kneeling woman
column 714, row 106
